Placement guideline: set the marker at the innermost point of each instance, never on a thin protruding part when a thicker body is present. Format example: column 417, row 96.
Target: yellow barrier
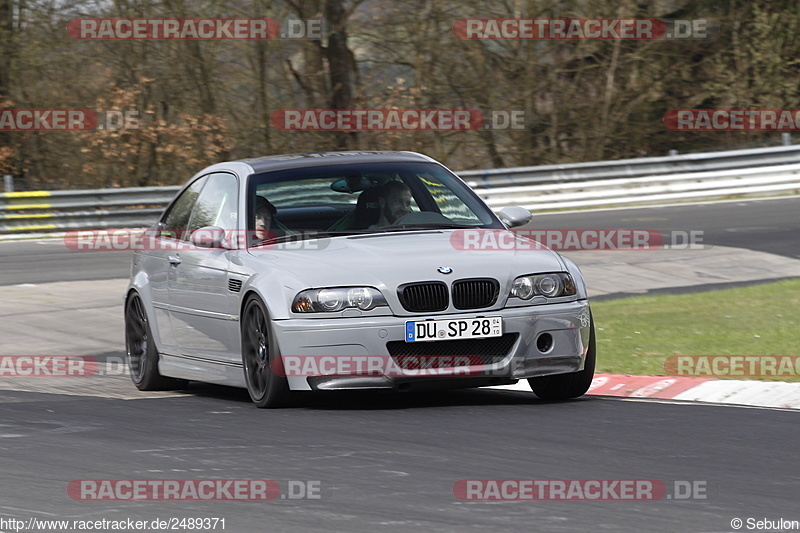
column 34, row 228
column 26, row 194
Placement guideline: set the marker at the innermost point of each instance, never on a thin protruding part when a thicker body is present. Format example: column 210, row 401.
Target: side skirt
column 199, row 369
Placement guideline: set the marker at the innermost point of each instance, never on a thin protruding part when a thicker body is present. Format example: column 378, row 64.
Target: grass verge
column 636, row 335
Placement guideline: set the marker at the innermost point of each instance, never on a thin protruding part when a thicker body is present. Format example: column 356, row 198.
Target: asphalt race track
column 389, row 462
column 769, row 226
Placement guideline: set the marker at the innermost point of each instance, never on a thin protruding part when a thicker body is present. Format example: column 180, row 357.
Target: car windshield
column 363, row 198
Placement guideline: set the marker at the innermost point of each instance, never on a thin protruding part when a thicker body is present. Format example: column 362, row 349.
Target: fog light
column 544, row 342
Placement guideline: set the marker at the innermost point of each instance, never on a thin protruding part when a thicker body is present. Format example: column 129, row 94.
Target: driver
column 394, row 202
column 265, row 224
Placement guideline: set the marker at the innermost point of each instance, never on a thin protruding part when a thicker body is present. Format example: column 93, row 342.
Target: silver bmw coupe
column 350, row 270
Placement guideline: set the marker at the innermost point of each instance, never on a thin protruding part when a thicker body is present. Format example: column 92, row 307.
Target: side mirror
column 514, row 215
column 208, row 237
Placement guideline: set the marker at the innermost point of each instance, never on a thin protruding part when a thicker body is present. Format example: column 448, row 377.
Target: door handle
column 174, row 260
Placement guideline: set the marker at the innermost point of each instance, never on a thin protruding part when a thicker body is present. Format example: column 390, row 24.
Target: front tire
column 260, row 355
column 141, row 350
column 572, row 385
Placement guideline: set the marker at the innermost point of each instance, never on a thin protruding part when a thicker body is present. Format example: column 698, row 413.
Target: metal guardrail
column 733, row 173
column 96, row 208
column 646, row 166
column 648, row 189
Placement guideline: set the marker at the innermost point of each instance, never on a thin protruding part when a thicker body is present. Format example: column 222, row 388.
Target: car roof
column 310, row 159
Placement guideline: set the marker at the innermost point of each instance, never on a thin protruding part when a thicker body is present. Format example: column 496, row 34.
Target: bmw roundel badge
column 445, row 270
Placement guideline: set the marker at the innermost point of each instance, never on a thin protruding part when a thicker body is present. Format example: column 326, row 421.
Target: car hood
column 386, row 260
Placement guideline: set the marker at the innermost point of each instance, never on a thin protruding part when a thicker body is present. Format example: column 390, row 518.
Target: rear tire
column 141, row 350
column 572, row 385
column 260, row 355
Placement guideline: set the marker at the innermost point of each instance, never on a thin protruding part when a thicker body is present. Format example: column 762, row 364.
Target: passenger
column 394, row 202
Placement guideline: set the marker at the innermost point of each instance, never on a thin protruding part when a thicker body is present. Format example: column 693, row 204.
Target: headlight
column 337, row 298
column 522, row 288
column 547, row 285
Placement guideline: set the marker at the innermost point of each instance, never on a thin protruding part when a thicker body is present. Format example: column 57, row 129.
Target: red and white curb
column 777, row 394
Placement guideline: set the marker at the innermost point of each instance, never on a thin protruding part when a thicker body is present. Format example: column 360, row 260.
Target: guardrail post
column 786, row 138
column 673, row 153
column 9, row 181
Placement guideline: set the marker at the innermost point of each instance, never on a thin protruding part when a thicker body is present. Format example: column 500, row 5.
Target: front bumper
column 567, row 324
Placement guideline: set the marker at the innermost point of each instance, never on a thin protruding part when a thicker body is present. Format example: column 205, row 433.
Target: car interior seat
column 367, row 211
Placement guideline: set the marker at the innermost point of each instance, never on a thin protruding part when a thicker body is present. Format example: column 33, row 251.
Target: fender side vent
column 234, row 285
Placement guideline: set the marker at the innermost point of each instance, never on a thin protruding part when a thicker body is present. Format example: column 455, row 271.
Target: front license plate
column 442, row 330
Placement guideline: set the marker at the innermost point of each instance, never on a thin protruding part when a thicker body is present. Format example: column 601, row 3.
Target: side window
column 177, row 218
column 217, row 204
